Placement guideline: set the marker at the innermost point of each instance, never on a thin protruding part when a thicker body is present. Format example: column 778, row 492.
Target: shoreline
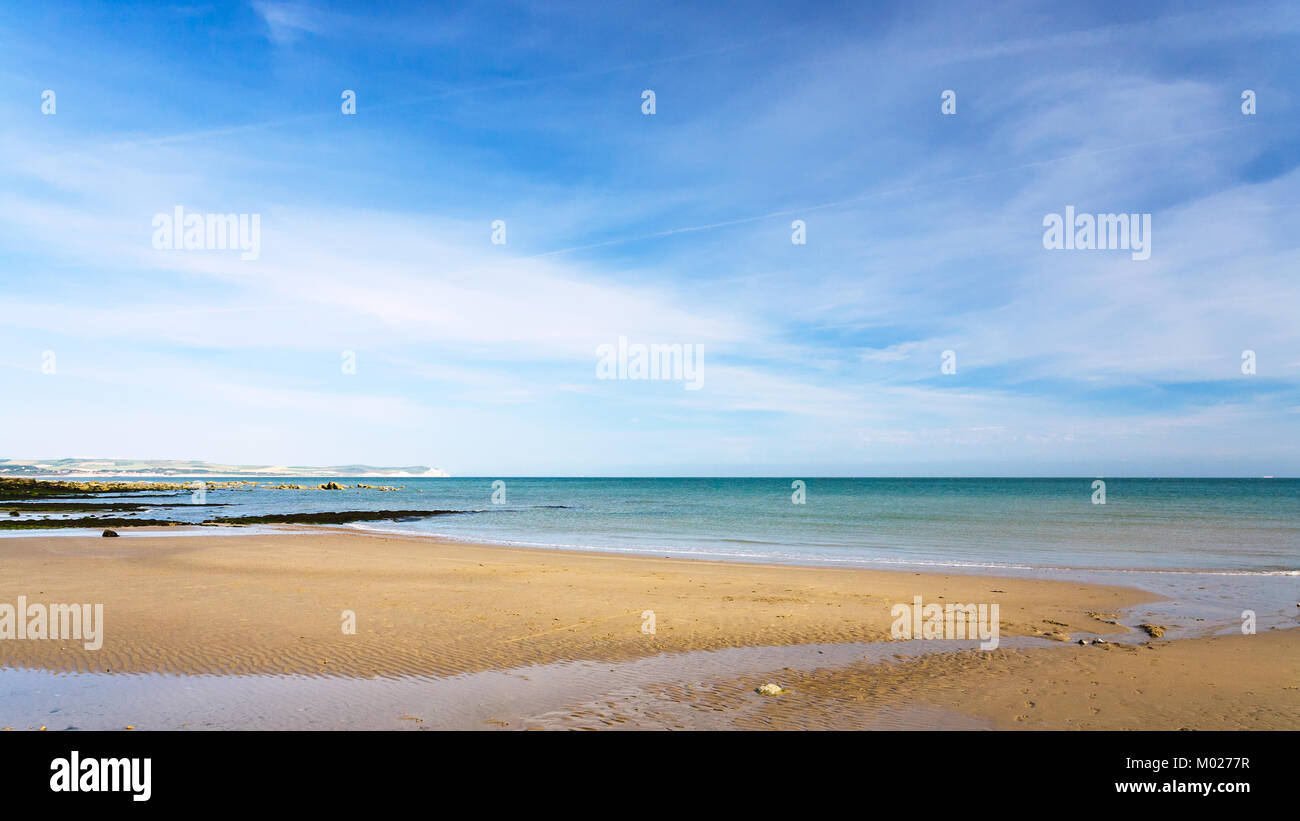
column 232, row 529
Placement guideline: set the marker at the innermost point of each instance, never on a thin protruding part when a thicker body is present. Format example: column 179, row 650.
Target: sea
column 1219, row 547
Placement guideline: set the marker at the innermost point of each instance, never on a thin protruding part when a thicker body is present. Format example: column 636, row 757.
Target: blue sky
column 924, row 235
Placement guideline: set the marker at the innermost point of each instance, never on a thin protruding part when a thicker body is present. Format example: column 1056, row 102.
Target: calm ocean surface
column 1213, row 546
column 1238, row 525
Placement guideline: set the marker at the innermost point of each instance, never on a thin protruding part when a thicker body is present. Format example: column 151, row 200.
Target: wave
column 811, row 558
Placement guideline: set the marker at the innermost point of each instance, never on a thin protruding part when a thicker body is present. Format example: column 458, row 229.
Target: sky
column 381, row 324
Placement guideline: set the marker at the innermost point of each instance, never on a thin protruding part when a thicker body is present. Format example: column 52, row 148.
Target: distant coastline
column 189, row 469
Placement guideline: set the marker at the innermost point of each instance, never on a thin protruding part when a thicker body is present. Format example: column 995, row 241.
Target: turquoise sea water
column 1226, row 525
column 1213, row 547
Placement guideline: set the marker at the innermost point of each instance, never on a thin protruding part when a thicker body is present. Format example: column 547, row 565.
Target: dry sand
column 274, row 604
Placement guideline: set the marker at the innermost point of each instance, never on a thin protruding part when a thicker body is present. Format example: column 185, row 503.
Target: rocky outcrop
column 331, row 518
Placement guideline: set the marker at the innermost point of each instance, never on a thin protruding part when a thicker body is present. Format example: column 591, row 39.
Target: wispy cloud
column 288, row 22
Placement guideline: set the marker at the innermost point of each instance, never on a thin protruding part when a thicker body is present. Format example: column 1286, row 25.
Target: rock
column 770, row 689
column 1155, row 631
column 1084, row 642
column 331, row 486
column 1100, row 641
column 15, row 513
column 108, row 533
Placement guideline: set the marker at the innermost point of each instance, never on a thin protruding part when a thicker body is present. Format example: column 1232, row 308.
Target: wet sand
column 273, row 604
column 1232, row 682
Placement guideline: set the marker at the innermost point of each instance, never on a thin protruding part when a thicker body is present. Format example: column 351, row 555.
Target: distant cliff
column 178, row 467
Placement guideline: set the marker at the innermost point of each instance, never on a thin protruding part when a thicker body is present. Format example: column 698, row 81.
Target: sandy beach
column 251, row 605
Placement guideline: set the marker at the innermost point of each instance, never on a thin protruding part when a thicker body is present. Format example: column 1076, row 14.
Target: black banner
column 146, row 771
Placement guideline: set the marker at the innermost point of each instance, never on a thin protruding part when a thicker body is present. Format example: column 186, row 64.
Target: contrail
column 569, row 75
column 882, row 193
